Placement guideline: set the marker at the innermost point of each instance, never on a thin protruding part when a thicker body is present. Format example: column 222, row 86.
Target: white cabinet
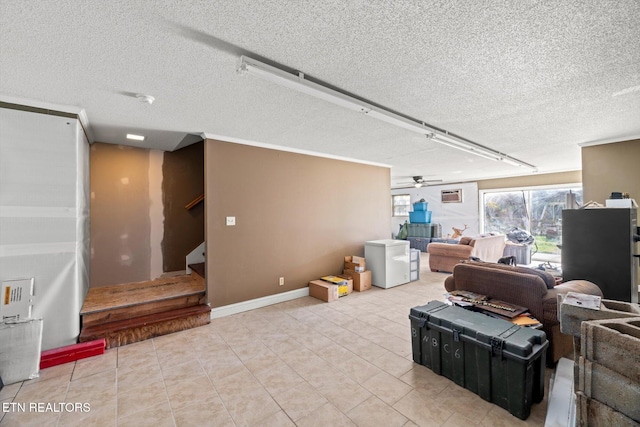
column 414, row 267
column 388, row 261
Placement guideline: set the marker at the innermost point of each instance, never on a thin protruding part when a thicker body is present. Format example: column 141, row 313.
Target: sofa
column 486, row 247
column 531, row 288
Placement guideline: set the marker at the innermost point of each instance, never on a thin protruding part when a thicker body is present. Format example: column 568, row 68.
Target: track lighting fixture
column 300, row 83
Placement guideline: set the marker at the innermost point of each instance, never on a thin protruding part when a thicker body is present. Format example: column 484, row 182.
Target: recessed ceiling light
column 135, row 137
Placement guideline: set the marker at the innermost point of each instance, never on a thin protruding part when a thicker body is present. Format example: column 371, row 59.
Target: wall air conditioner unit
column 16, row 300
column 451, row 196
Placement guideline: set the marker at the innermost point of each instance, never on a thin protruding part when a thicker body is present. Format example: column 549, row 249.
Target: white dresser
column 388, row 261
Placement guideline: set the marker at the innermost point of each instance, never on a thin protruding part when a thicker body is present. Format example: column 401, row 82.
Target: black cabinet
column 598, row 246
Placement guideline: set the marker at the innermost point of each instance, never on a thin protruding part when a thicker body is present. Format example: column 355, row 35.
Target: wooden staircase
column 132, row 312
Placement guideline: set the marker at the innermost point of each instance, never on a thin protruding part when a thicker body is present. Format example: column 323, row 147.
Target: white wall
column 44, row 216
column 448, row 215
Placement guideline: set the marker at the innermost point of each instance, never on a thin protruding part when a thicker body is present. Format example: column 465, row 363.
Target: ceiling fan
column 419, row 181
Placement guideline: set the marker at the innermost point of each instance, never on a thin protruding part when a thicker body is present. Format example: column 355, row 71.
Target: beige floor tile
column 303, row 362
column 182, row 371
column 51, row 390
column 212, row 340
column 334, row 353
column 133, row 360
column 282, row 345
column 96, row 364
column 202, row 414
column 393, row 364
column 313, row 340
column 300, row 357
column 136, row 349
column 318, row 373
column 424, row 379
column 326, row 415
column 139, row 398
column 263, row 362
column 198, row 333
column 130, row 378
column 174, row 341
column 279, row 419
column 10, row 391
column 366, row 349
column 171, row 356
column 97, row 390
column 344, row 393
column 221, row 364
column 373, row 412
column 193, row 390
column 387, row 387
column 359, row 369
column 237, row 384
column 279, row 379
column 299, row 401
column 399, row 346
column 498, row 417
column 154, row 416
column 250, row 349
column 30, row 419
column 464, row 402
column 459, row 420
column 250, row 407
column 237, row 334
column 420, row 408
column 99, row 416
column 64, row 370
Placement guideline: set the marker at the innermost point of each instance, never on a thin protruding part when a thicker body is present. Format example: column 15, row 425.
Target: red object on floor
column 70, row 353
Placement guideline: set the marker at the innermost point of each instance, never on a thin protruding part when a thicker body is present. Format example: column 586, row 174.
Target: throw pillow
column 465, row 240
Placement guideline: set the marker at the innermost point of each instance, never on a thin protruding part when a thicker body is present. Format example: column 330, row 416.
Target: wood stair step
column 119, row 302
column 127, row 331
column 137, row 293
column 199, row 269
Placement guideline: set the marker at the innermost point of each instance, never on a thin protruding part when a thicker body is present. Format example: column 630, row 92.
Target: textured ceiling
column 529, row 78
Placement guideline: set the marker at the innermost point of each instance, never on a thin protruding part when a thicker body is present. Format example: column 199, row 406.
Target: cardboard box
column 355, row 263
column 323, row 290
column 345, row 284
column 361, row 281
column 348, row 283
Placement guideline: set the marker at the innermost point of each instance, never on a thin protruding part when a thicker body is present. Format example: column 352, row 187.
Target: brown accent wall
column 120, row 223
column 183, row 181
column 611, row 167
column 531, row 180
column 297, row 216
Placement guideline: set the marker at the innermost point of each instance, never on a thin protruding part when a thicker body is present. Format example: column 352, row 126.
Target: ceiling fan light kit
column 298, row 82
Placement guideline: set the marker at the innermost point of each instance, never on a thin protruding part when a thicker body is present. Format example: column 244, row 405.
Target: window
column 536, row 210
column 401, row 204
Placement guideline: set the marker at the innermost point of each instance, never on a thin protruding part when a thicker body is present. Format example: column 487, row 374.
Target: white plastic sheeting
column 44, row 216
column 20, row 345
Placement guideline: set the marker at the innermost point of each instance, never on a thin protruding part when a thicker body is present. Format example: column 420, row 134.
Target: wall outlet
column 281, row 281
column 231, row 220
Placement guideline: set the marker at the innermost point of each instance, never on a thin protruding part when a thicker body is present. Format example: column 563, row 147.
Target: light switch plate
column 231, row 220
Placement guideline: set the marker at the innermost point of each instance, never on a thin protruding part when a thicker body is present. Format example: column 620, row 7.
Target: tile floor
column 302, row 363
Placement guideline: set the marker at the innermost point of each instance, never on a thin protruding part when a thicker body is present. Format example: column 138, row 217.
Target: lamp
column 300, row 83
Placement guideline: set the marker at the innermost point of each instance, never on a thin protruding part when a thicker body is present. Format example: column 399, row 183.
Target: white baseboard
column 243, row 306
